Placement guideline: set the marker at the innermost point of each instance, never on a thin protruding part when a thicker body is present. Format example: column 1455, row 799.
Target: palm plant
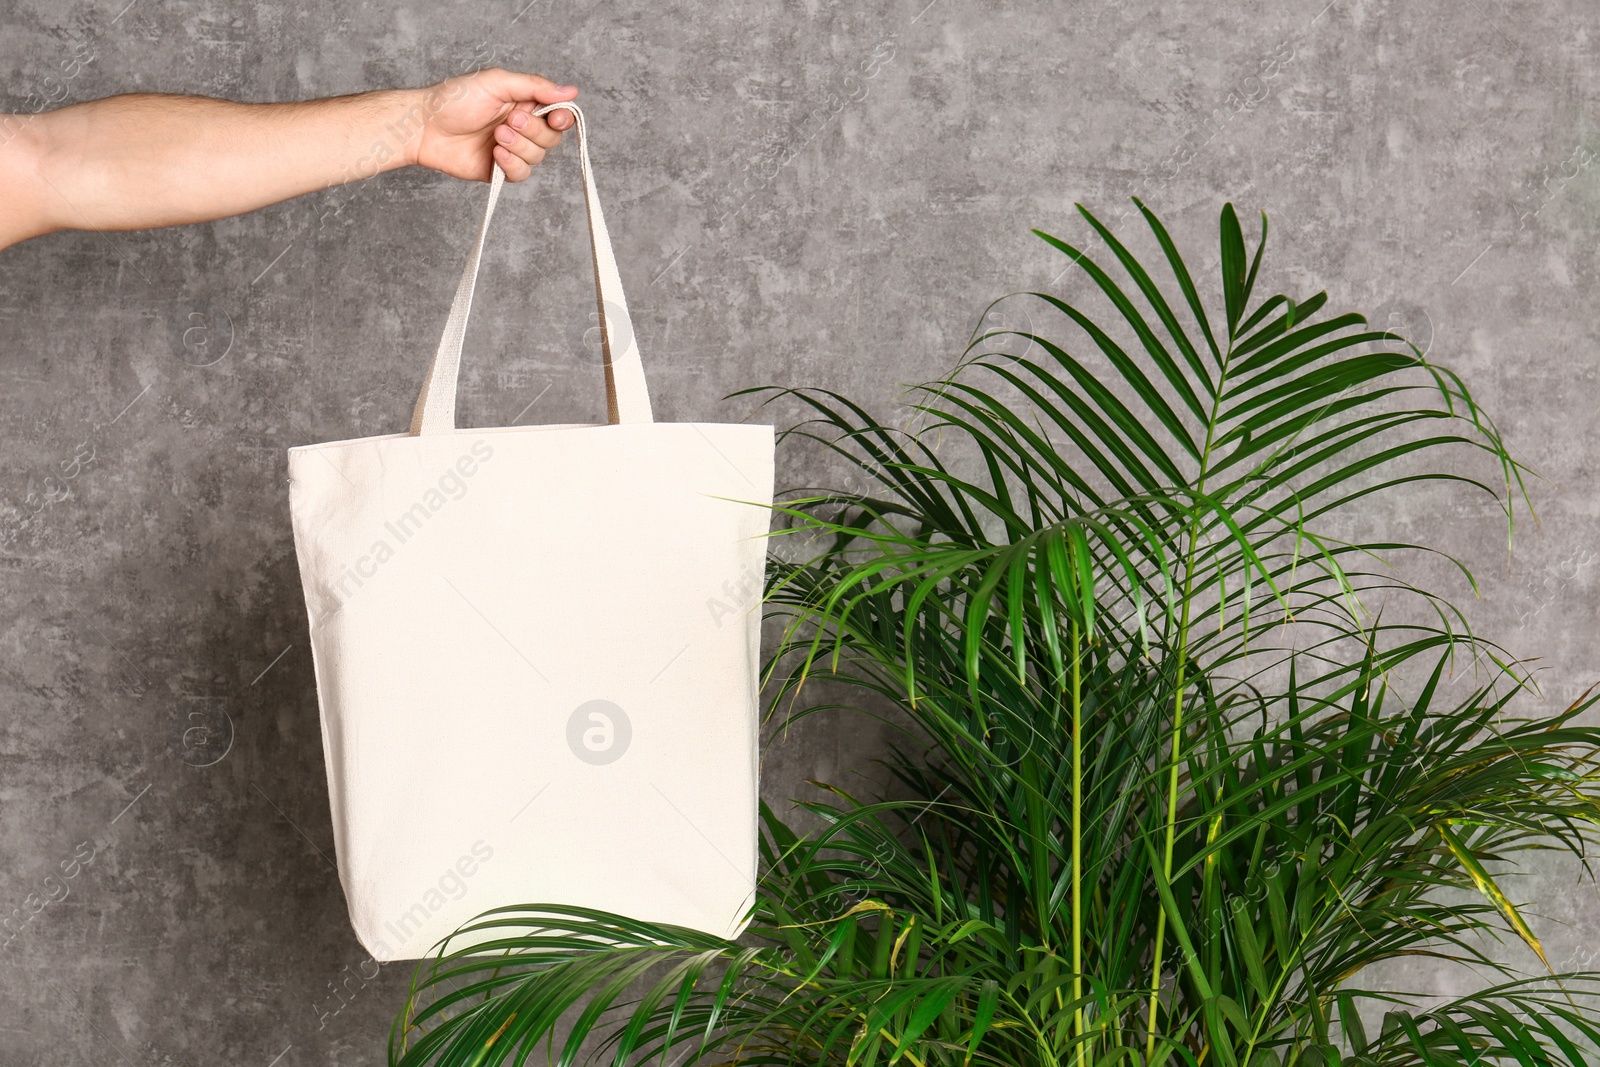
column 1167, row 789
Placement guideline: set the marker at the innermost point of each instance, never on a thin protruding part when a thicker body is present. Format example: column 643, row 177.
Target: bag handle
column 627, row 396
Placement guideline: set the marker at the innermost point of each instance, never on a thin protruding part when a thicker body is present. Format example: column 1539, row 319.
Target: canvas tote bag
column 536, row 650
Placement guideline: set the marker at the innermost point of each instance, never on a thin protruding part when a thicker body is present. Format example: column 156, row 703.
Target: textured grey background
column 1431, row 160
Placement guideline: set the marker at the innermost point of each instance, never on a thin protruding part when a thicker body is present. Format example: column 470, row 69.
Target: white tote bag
column 537, row 651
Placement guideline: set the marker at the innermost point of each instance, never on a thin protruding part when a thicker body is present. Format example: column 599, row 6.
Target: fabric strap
column 627, row 397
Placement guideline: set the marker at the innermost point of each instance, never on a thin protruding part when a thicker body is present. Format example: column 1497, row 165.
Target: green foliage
column 1165, row 786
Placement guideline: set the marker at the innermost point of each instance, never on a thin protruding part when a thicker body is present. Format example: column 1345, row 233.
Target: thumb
column 510, row 85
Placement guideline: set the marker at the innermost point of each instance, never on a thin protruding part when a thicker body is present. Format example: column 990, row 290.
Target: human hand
column 476, row 120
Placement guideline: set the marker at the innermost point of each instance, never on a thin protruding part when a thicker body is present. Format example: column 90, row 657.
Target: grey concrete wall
column 1431, row 160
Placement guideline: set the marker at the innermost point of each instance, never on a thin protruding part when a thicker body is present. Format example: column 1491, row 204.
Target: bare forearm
column 143, row 160
column 130, row 162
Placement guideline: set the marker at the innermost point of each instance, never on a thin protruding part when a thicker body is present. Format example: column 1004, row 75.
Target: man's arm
column 143, row 160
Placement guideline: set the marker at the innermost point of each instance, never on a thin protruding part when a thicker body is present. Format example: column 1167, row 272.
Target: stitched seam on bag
column 521, row 429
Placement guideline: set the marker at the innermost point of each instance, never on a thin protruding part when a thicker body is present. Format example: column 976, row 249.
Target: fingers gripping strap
column 627, row 397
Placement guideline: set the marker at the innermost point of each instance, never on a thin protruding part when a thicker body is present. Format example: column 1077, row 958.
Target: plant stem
column 1172, row 819
column 1177, row 719
column 1077, row 837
